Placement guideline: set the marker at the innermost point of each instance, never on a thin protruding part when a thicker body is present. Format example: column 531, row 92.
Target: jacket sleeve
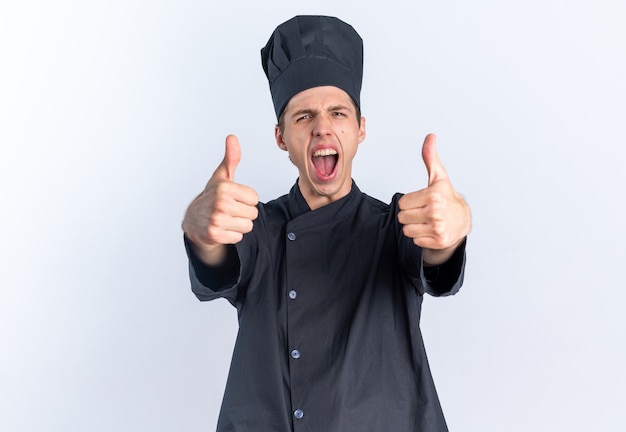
column 446, row 279
column 208, row 282
column 443, row 280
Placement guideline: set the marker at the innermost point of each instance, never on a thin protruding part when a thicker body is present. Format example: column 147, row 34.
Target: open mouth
column 325, row 163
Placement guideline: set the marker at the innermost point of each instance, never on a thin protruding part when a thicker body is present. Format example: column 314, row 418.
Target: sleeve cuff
column 442, row 279
column 217, row 278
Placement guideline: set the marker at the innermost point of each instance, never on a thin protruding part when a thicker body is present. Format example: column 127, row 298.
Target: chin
column 331, row 188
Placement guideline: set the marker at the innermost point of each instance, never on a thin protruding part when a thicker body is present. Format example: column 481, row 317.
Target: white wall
column 113, row 116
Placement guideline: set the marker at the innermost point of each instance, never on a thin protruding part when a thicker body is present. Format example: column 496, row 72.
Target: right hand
column 224, row 211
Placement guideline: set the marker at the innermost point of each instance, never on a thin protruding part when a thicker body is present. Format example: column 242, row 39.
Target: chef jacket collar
column 340, row 208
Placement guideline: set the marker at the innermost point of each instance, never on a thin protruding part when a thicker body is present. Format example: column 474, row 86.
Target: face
column 321, row 132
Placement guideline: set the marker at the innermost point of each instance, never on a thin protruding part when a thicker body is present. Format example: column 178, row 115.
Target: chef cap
column 312, row 51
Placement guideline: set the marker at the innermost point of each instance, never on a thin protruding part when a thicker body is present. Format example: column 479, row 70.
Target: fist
column 436, row 217
column 224, row 211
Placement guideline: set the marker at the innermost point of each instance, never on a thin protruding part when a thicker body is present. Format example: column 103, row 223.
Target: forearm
column 210, row 255
column 436, row 257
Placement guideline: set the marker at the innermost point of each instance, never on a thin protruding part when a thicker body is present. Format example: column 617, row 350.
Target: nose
column 322, row 125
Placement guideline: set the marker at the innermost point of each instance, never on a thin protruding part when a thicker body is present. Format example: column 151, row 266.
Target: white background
column 113, row 116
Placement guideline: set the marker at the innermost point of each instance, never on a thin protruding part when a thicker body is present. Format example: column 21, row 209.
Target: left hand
column 436, row 218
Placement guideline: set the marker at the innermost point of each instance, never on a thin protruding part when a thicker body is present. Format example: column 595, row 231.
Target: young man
column 327, row 281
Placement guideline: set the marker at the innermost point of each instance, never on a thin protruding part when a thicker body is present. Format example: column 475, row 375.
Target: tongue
column 325, row 164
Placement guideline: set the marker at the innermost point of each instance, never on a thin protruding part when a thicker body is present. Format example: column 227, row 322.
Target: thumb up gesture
column 437, row 218
column 224, row 211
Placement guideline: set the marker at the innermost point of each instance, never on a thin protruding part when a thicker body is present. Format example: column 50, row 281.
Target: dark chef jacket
column 329, row 306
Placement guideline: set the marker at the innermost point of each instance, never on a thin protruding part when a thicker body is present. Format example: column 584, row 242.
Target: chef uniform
column 328, row 300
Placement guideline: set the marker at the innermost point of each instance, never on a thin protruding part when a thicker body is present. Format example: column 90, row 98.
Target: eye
column 304, row 117
column 338, row 114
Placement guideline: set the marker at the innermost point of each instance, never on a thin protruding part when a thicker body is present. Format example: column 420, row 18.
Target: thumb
column 232, row 156
column 436, row 171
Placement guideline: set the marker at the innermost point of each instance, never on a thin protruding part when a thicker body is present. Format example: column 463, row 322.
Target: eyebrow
column 303, row 111
column 337, row 108
column 313, row 111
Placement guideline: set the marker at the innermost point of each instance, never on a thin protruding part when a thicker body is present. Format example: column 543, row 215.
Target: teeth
column 325, row 152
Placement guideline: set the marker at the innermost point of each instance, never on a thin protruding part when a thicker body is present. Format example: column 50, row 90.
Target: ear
column 278, row 136
column 362, row 130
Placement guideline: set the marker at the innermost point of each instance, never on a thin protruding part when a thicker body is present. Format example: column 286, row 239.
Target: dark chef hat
column 312, row 51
